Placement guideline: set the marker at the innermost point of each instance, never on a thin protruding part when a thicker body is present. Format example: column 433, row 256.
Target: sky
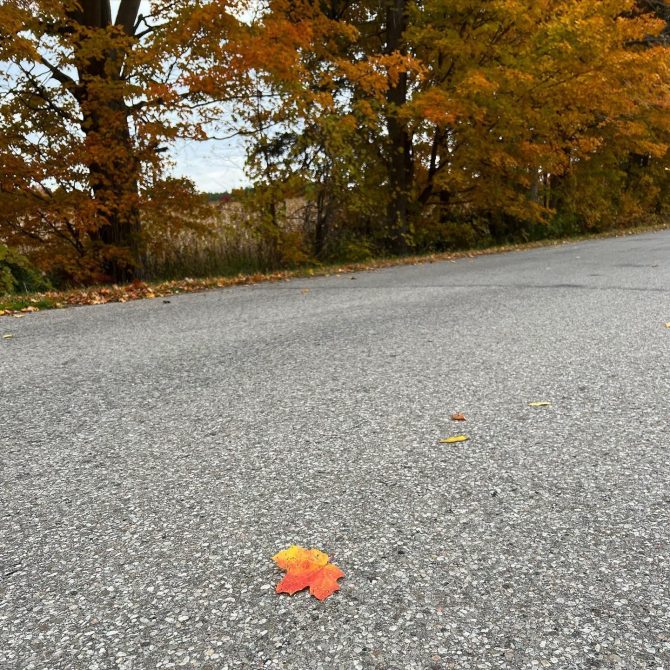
column 214, row 166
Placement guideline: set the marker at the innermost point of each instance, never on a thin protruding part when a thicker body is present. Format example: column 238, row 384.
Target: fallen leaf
column 18, row 316
column 307, row 568
column 305, row 290
column 667, row 325
column 7, row 336
column 459, row 416
column 454, row 439
column 540, row 403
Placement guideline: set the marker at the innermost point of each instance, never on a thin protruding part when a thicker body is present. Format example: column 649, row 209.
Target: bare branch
column 40, row 90
column 58, row 74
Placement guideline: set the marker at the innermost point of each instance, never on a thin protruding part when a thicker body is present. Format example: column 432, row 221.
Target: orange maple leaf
column 307, row 568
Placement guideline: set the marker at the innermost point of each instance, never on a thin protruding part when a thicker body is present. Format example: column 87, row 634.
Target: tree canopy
column 399, row 122
column 90, row 103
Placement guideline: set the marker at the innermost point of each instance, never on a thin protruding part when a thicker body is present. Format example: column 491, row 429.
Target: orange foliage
column 93, row 95
column 386, row 119
column 307, row 568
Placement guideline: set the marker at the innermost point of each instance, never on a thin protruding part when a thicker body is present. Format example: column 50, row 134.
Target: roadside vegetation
column 374, row 130
column 19, row 303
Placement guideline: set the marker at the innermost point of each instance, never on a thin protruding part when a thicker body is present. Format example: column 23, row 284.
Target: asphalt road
column 153, row 457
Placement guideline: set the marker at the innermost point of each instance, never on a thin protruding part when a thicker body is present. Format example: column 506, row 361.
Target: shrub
column 17, row 274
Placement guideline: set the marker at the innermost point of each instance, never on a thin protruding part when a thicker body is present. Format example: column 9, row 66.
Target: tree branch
column 127, row 15
column 58, row 74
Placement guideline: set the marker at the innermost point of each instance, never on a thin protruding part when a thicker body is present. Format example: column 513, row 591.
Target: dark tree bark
column 321, row 224
column 400, row 160
column 127, row 15
column 662, row 10
column 114, row 178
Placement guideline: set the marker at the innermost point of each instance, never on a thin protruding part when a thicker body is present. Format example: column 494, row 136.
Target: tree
column 333, row 128
column 474, row 111
column 394, row 119
column 90, row 103
column 519, row 93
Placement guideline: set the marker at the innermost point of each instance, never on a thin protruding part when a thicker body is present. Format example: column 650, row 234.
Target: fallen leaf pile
column 19, row 313
column 138, row 290
column 307, row 568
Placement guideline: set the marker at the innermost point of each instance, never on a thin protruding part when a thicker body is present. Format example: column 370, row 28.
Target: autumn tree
column 481, row 111
column 515, row 91
column 395, row 120
column 332, row 128
column 91, row 101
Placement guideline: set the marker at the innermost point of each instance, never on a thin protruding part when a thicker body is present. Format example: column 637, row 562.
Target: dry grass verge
column 18, row 305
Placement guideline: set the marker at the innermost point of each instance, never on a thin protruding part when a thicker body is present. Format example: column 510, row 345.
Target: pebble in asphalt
column 153, row 457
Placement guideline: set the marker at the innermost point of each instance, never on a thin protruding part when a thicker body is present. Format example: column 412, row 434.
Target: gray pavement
column 153, row 457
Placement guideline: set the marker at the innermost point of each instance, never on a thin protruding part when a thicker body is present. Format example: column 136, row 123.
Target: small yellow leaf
column 454, row 439
column 667, row 325
column 540, row 403
column 7, row 336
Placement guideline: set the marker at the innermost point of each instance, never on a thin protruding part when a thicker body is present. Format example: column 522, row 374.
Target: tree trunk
column 115, row 187
column 400, row 164
column 321, row 225
column 113, row 168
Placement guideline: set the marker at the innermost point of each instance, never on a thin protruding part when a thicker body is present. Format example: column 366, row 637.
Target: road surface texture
column 154, row 456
